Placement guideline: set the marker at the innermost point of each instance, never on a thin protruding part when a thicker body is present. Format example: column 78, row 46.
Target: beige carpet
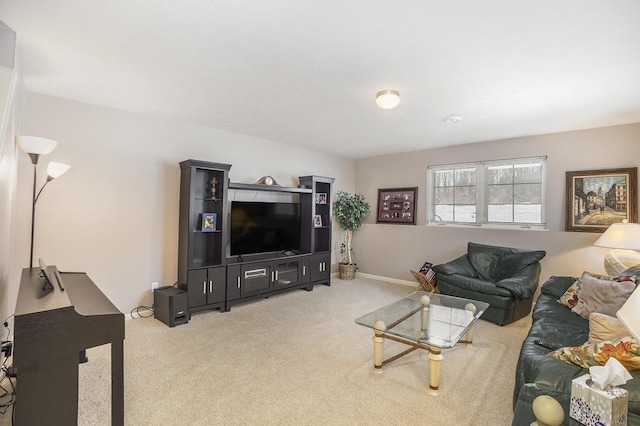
column 299, row 358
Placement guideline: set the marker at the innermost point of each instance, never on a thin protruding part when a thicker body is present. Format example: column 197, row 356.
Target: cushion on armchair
column 497, row 263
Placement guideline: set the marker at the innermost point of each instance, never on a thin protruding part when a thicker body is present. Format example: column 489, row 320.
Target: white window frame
column 482, row 189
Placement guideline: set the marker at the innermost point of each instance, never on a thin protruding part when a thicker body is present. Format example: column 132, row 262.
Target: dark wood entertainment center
column 215, row 280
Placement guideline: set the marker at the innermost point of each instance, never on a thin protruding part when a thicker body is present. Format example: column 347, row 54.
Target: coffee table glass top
column 441, row 321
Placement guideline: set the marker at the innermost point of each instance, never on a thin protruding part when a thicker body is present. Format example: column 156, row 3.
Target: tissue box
column 594, row 407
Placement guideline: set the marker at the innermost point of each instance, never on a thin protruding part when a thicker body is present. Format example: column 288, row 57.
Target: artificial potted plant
column 349, row 210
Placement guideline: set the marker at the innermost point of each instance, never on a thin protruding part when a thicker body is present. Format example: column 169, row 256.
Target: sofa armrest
column 557, row 285
column 524, row 283
column 460, row 266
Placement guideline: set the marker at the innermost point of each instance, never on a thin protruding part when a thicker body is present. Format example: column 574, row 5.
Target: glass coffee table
column 426, row 321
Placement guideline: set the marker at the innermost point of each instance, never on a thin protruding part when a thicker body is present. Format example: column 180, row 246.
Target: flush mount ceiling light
column 453, row 119
column 388, row 99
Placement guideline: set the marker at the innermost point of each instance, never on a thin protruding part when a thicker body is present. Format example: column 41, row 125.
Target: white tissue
column 609, row 375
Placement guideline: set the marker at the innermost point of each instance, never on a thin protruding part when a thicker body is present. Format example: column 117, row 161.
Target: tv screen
column 264, row 227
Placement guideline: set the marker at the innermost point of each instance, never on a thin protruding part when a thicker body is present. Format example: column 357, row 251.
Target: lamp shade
column 621, row 236
column 624, row 239
column 36, row 145
column 388, row 99
column 629, row 314
column 55, row 170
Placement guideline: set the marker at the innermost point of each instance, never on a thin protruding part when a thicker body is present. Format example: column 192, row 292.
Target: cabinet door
column 305, row 270
column 320, row 266
column 197, row 287
column 256, row 279
column 233, row 282
column 286, row 273
column 216, row 284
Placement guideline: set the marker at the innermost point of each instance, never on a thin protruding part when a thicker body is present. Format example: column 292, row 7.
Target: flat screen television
column 258, row 227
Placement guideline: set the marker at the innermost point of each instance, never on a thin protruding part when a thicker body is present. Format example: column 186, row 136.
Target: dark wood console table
column 51, row 328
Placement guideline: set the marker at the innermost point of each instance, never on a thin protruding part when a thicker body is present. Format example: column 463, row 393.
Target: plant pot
column 347, row 272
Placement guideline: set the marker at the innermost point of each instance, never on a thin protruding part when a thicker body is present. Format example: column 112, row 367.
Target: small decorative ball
column 425, row 300
column 380, row 325
column 470, row 307
column 548, row 411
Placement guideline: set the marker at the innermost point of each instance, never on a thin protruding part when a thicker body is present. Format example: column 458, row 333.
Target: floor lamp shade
column 36, row 145
column 55, row 170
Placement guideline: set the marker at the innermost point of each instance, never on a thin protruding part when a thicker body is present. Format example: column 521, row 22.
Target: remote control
column 545, row 344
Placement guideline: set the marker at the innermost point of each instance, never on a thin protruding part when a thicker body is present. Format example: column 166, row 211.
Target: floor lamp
column 35, row 147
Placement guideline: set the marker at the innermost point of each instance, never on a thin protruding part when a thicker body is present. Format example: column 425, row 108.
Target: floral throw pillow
column 570, row 297
column 624, row 349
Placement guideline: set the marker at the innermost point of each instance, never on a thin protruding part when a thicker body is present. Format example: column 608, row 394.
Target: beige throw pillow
column 604, row 327
column 602, row 296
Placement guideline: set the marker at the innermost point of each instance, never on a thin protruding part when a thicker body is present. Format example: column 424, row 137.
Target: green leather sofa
column 506, row 278
column 539, row 374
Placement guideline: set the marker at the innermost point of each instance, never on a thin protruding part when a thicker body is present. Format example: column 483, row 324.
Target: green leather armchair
column 504, row 277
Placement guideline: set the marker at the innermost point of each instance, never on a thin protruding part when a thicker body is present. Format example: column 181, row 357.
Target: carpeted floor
column 299, row 358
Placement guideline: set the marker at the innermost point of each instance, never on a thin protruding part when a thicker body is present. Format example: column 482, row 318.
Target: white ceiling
column 305, row 72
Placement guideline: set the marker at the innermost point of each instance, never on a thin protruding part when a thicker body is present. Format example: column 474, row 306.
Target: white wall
column 115, row 213
column 391, row 250
column 8, row 179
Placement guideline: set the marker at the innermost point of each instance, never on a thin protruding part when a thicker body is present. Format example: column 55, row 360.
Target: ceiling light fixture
column 388, row 99
column 453, row 119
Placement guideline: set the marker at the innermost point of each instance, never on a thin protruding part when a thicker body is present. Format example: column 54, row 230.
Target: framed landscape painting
column 597, row 199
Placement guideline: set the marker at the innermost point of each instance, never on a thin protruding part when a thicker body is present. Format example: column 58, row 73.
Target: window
column 504, row 192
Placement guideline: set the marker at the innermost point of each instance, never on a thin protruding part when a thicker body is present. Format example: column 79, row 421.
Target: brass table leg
column 435, row 357
column 469, row 335
column 378, row 345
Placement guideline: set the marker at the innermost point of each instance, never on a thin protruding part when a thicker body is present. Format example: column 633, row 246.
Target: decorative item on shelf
column 624, row 240
column 209, row 222
column 597, row 199
column 317, row 221
column 35, row 147
column 213, row 183
column 350, row 210
column 268, row 181
column 321, row 198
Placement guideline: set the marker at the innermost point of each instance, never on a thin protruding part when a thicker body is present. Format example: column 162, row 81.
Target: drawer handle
column 255, row 273
column 238, row 282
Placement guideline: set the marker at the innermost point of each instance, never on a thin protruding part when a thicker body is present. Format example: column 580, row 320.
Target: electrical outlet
column 154, row 286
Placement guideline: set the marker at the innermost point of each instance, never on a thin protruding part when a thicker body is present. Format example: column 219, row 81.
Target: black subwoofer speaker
column 170, row 306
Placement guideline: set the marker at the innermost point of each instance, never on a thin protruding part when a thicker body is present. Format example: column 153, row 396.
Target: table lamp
column 624, row 240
